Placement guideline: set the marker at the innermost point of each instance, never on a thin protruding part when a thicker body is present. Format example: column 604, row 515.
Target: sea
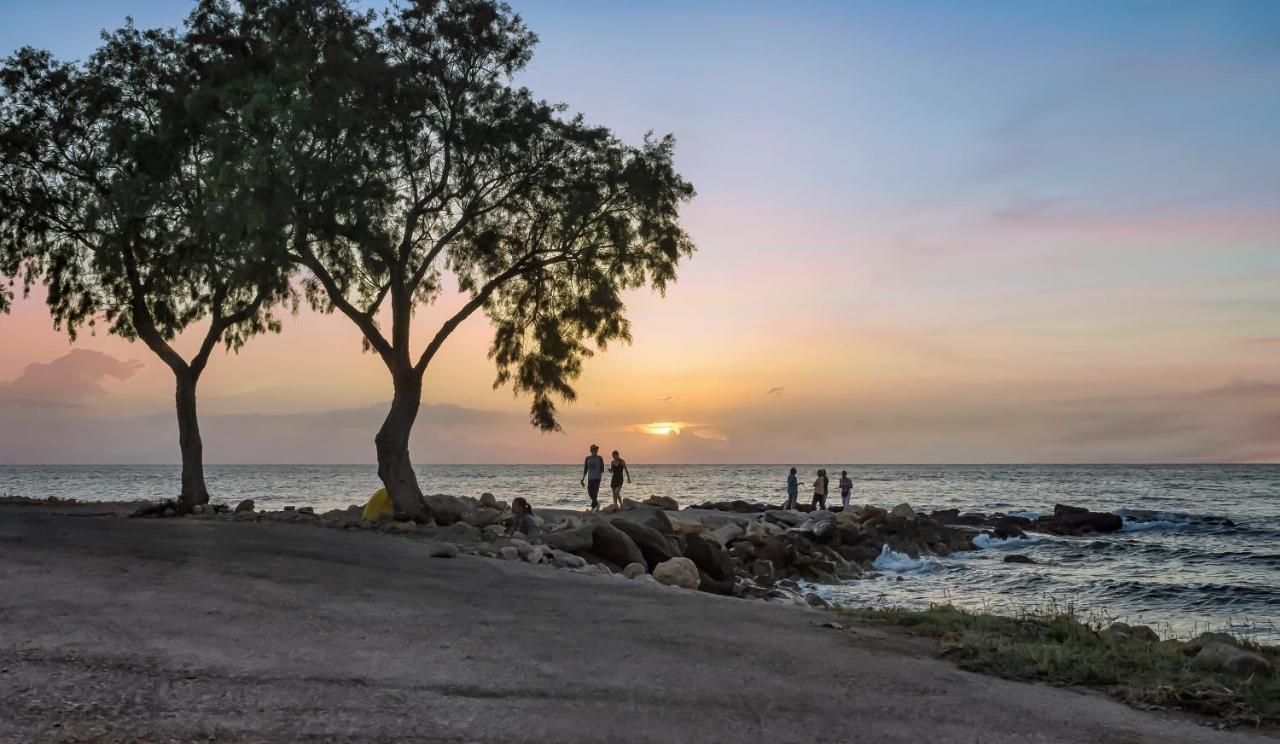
column 1200, row 549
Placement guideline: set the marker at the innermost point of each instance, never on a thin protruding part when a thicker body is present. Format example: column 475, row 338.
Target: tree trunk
column 392, row 443
column 194, row 490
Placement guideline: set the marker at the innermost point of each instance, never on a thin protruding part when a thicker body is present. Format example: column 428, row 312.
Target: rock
column 817, row 602
column 663, row 502
column 481, row 518
column 743, row 551
column 823, row 531
column 832, row 625
column 613, row 545
column 446, row 510
column 444, row 550
column 1018, row 558
column 1136, row 632
column 737, row 505
column 903, row 511
column 458, row 532
column 1228, row 658
column 402, row 527
column 762, row 572
column 726, row 534
column 288, row 508
column 1007, row 529
column 536, row 554
column 946, row 516
column 710, row 558
column 244, row 506
column 572, row 540
column 654, row 546
column 1062, row 510
column 632, row 570
column 1194, row 645
column 647, row 516
column 488, row 500
column 711, row 586
column 679, row 571
column 786, row 517
column 306, row 510
column 508, row 553
column 1078, row 522
column 561, row 559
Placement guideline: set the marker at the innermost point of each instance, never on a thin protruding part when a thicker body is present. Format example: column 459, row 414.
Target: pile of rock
column 1065, row 520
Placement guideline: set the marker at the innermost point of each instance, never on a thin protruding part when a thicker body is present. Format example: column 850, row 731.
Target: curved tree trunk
column 194, row 490
column 392, row 443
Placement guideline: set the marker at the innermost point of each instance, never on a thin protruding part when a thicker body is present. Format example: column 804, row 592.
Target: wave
column 987, row 541
column 890, row 560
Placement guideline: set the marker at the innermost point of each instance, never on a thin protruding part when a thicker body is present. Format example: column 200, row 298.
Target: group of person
column 593, row 473
column 821, row 486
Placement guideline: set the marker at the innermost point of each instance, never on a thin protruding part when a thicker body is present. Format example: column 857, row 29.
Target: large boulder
column 572, row 540
column 244, row 506
column 1225, row 657
column 613, row 545
column 680, row 572
column 663, row 502
column 712, row 586
column 1074, row 522
column 737, row 505
column 786, row 517
column 458, row 532
column 725, row 533
column 446, row 510
column 655, row 546
column 647, row 516
column 903, row 511
column 710, row 558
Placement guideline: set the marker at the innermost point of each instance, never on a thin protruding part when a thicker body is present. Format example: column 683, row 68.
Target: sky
column 927, row 232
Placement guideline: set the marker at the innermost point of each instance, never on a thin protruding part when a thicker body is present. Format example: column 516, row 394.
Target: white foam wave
column 1032, row 515
column 890, row 560
column 987, row 541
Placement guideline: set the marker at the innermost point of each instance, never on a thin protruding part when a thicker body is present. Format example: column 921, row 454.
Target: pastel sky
column 928, row 232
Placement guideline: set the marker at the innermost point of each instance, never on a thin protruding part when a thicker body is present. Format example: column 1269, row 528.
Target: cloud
column 774, row 391
column 1243, row 388
column 668, row 399
column 69, row 380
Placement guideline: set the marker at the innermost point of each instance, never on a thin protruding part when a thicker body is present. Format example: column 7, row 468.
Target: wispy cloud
column 1243, row 388
column 774, row 391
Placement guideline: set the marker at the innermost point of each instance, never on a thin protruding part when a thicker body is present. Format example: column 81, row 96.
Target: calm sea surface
column 1174, row 566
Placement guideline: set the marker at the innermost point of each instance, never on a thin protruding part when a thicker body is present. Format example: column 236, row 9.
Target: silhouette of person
column 592, row 472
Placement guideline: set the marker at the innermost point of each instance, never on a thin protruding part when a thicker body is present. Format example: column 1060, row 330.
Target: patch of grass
column 1055, row 645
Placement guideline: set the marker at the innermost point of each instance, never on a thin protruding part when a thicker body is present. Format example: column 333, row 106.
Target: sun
column 663, row 428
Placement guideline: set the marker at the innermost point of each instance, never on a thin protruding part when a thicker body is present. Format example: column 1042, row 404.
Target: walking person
column 846, row 488
column 793, row 490
column 592, row 472
column 820, row 490
column 617, row 466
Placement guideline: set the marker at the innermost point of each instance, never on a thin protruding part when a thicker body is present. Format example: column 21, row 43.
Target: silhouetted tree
column 119, row 193
column 407, row 154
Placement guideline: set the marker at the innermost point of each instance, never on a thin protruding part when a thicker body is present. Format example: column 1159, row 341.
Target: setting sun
column 663, row 428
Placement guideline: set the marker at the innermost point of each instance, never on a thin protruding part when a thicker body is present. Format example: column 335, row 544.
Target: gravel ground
column 117, row 630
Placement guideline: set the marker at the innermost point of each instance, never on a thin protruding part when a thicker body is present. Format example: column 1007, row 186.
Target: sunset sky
column 927, row 232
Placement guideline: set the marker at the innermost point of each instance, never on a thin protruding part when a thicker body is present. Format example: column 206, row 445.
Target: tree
column 408, row 154
column 118, row 193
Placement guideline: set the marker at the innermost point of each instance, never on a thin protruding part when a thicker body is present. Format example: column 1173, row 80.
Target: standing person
column 793, row 490
column 592, row 472
column 820, row 490
column 846, row 488
column 617, row 466
column 524, row 522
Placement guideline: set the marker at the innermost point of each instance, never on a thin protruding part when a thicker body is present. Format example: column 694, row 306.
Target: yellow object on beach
column 379, row 504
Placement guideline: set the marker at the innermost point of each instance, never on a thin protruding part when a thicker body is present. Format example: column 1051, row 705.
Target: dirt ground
column 119, row 630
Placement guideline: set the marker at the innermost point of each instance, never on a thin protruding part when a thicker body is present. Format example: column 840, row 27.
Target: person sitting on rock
column 793, row 490
column 524, row 522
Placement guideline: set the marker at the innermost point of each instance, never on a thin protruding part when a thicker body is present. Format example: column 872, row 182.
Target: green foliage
column 404, row 153
column 1055, row 645
column 121, row 193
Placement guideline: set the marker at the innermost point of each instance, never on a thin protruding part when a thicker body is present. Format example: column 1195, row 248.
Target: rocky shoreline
column 731, row 548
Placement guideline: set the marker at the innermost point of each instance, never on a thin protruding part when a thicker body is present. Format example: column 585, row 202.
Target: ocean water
column 1176, row 566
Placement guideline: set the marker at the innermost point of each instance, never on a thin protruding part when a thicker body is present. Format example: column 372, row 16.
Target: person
column 592, row 472
column 793, row 490
column 524, row 522
column 617, row 466
column 846, row 488
column 820, row 490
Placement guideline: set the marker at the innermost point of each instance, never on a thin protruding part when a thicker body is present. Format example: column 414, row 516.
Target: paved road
column 174, row 630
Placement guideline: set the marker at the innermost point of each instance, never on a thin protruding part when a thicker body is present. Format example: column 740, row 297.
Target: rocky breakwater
column 745, row 550
column 1065, row 520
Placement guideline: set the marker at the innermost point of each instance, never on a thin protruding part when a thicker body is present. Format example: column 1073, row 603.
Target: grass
column 1053, row 644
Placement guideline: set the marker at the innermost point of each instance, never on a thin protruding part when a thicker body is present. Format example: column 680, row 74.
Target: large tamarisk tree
column 119, row 193
column 410, row 156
